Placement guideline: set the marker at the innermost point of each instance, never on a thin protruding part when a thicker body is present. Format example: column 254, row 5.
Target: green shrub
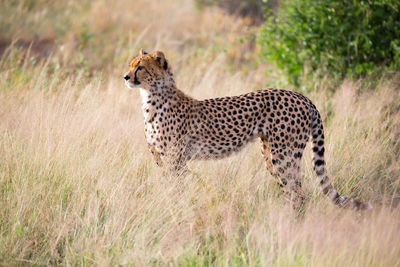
column 338, row 38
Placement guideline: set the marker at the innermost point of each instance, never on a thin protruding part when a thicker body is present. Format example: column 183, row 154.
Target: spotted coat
column 179, row 128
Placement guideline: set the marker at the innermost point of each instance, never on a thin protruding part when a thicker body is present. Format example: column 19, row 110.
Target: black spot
column 297, row 155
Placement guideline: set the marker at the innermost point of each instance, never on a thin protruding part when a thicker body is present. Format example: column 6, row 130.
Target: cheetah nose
column 126, row 77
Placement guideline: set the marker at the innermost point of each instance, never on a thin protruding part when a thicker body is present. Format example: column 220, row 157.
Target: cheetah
column 179, row 128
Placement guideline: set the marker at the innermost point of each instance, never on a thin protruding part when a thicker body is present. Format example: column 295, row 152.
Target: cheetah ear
column 160, row 58
column 142, row 52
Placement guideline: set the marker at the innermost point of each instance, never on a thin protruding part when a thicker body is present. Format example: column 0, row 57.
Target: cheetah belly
column 216, row 148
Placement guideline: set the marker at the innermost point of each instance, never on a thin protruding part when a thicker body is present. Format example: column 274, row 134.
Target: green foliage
column 336, row 37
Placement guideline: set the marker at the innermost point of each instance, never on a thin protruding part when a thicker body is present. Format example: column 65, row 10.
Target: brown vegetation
column 78, row 186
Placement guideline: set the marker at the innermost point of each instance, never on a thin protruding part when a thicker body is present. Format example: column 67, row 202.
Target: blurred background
column 96, row 37
column 78, row 186
column 297, row 38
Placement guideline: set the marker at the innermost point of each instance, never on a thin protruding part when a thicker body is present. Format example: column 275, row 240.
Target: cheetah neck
column 157, row 101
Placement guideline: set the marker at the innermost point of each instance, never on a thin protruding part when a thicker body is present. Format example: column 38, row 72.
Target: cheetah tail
column 319, row 168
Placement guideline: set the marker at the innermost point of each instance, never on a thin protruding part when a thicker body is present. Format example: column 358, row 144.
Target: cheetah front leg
column 177, row 159
column 174, row 162
column 180, row 168
column 156, row 155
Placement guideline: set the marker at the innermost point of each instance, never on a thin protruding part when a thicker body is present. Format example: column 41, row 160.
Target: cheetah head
column 148, row 71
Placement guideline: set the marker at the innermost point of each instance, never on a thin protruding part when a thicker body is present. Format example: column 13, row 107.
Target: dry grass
column 78, row 187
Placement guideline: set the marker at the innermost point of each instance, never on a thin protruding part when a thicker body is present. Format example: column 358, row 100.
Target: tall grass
column 78, row 187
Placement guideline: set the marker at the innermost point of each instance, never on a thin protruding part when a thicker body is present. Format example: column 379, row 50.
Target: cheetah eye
column 140, row 68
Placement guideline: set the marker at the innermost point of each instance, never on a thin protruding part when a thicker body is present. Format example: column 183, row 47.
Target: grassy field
column 78, row 186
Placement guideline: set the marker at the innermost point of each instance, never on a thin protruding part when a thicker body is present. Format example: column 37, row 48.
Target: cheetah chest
column 151, row 123
column 159, row 133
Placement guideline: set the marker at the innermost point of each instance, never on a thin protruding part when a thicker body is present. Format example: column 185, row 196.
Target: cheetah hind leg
column 286, row 169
